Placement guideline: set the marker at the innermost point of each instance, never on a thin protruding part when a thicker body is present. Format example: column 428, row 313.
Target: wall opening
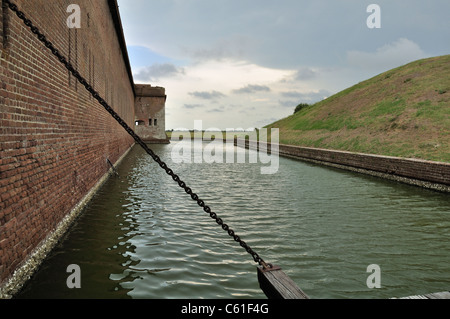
column 150, row 122
column 156, row 122
column 139, row 123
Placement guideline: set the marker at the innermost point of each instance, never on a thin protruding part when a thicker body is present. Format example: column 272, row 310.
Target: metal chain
column 130, row 131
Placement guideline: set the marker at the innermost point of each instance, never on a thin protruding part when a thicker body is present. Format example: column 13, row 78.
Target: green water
column 143, row 237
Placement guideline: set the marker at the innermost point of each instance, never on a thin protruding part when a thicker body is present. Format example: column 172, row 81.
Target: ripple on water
column 143, row 237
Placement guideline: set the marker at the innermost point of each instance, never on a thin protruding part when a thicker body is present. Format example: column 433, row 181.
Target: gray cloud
column 216, row 110
column 207, row 95
column 252, row 89
column 287, row 35
column 305, row 74
column 292, row 94
column 157, row 71
column 192, row 106
column 234, row 46
column 288, row 103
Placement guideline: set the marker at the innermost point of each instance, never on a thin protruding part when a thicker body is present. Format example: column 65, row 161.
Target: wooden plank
column 415, row 297
column 277, row 285
column 437, row 295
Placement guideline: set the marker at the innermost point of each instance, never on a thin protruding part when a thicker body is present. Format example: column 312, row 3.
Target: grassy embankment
column 404, row 112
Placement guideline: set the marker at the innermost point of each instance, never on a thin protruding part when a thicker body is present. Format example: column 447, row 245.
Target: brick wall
column 434, row 175
column 54, row 137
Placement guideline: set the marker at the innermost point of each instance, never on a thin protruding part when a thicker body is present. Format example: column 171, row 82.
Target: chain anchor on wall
column 112, row 167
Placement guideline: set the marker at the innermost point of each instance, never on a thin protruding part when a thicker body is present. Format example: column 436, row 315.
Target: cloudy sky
column 247, row 63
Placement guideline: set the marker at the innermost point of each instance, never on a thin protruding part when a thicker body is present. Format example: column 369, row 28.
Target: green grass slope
column 404, row 112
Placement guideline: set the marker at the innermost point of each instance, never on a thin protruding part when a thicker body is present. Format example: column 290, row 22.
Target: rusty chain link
column 130, row 131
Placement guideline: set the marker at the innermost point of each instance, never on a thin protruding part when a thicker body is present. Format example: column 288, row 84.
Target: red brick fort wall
column 54, row 137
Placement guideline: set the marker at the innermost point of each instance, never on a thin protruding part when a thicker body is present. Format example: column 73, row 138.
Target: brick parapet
column 428, row 174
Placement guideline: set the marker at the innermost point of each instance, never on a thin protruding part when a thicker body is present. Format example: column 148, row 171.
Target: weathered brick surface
column 54, row 137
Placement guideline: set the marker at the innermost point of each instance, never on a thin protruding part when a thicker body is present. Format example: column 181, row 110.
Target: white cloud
column 388, row 56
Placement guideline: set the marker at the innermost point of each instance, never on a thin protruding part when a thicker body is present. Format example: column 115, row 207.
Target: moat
column 143, row 237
